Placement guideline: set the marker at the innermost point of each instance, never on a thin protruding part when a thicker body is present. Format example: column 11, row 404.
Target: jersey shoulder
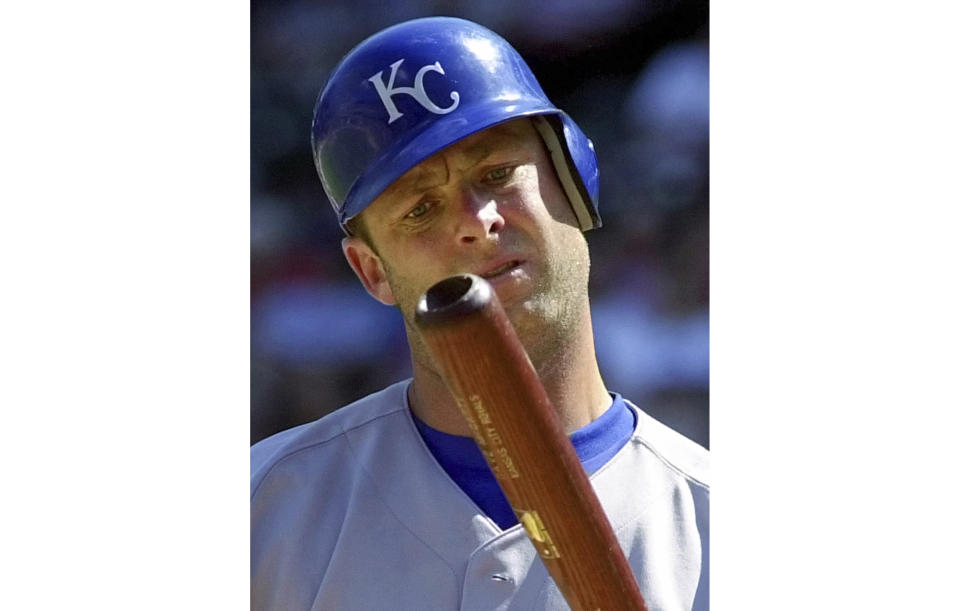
column 686, row 457
column 269, row 452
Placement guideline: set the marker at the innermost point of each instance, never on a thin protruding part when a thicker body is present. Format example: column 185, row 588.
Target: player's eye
column 499, row 175
column 419, row 210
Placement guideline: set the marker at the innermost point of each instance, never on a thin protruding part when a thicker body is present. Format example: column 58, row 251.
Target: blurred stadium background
column 633, row 74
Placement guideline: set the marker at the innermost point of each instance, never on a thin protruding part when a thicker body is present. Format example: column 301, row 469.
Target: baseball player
column 442, row 155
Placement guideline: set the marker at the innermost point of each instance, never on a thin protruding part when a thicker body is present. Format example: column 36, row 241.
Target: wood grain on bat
column 513, row 422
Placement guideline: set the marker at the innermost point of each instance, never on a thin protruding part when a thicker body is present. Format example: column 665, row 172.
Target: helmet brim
column 422, row 144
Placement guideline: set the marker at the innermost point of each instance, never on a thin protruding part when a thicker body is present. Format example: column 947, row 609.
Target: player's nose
column 478, row 217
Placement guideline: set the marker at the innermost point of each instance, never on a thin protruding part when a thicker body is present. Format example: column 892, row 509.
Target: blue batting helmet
column 414, row 89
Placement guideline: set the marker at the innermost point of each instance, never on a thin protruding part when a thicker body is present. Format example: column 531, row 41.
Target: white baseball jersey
column 352, row 512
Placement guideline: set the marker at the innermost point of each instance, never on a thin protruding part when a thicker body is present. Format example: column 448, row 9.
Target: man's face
column 489, row 205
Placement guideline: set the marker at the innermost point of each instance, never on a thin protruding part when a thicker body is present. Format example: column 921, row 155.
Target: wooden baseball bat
column 496, row 387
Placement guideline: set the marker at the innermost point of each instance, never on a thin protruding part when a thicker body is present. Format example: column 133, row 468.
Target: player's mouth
column 501, row 269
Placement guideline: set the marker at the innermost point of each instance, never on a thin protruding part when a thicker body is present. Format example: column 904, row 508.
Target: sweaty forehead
column 518, row 133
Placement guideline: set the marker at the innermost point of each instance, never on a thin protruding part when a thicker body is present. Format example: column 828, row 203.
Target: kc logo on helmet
column 417, row 92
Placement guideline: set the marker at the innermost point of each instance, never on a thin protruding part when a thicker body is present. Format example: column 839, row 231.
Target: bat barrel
column 496, row 387
column 452, row 299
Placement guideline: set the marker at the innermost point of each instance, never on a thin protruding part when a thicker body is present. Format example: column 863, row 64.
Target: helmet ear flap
column 575, row 163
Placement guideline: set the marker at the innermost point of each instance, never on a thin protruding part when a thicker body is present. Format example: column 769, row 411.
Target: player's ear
column 368, row 267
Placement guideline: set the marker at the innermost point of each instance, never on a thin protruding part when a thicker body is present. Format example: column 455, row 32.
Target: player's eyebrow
column 426, row 174
column 435, row 172
column 497, row 137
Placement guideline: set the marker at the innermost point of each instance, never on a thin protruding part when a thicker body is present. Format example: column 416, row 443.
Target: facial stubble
column 548, row 321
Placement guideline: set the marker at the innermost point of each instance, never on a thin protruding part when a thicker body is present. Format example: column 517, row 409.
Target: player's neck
column 572, row 380
column 569, row 375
